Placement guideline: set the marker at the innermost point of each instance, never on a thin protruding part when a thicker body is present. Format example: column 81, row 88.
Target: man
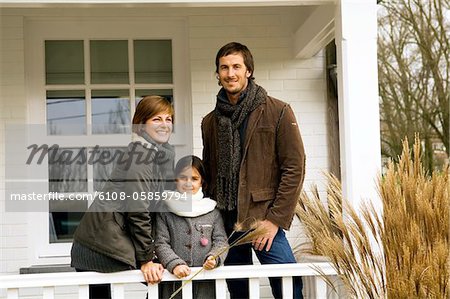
column 255, row 164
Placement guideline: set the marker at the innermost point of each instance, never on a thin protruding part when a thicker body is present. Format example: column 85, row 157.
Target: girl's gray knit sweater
column 178, row 239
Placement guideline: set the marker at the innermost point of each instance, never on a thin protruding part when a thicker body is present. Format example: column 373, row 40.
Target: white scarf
column 189, row 205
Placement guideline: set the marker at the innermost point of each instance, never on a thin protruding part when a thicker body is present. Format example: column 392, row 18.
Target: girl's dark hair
column 148, row 107
column 233, row 48
column 194, row 162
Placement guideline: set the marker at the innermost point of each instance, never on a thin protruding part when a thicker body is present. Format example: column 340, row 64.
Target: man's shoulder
column 208, row 118
column 210, row 115
column 275, row 106
column 276, row 103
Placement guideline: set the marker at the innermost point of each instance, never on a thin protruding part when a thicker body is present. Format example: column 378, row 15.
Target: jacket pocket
column 120, row 220
column 263, row 195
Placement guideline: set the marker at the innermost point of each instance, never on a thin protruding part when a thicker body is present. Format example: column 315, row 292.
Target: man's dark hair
column 234, row 48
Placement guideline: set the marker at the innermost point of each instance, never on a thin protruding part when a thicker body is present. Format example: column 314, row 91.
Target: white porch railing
column 12, row 283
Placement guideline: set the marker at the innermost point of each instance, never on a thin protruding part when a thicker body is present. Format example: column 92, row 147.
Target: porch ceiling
column 163, row 3
column 316, row 32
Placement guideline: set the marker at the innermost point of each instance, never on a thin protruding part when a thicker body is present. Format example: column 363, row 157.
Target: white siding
column 13, row 228
column 268, row 32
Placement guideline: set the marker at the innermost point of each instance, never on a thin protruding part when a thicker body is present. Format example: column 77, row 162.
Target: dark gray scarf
column 230, row 118
column 164, row 161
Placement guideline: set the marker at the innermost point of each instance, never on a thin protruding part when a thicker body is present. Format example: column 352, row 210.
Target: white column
column 359, row 120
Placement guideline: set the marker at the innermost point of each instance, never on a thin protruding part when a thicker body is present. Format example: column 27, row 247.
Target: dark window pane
column 110, row 112
column 66, row 112
column 167, row 93
column 62, row 225
column 64, row 62
column 153, row 61
column 105, row 159
column 109, row 61
column 67, row 169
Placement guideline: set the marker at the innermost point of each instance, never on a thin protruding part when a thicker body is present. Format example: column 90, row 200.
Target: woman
column 117, row 235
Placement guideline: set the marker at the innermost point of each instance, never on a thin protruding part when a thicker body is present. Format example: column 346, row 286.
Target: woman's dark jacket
column 122, row 229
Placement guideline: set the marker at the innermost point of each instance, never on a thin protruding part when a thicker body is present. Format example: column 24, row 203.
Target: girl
column 118, row 235
column 192, row 233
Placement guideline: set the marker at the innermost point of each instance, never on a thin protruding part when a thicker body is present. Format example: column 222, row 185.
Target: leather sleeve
column 139, row 218
column 291, row 161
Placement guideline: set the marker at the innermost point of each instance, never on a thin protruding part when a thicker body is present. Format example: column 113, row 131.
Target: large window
column 95, row 100
column 84, row 90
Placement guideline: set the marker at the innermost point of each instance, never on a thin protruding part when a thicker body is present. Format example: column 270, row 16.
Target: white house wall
column 268, row 32
column 13, row 226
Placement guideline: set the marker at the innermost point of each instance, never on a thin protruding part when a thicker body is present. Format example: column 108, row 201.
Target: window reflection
column 106, row 159
column 109, row 61
column 64, row 62
column 66, row 112
column 62, row 225
column 166, row 93
column 67, row 170
column 110, row 112
column 153, row 61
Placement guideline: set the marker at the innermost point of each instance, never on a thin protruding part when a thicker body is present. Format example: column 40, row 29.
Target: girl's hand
column 210, row 263
column 181, row 271
column 153, row 272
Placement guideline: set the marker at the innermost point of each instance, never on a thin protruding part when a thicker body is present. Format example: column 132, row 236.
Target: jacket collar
column 144, row 141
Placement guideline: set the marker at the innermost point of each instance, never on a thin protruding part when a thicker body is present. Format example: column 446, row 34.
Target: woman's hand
column 210, row 263
column 181, row 271
column 153, row 272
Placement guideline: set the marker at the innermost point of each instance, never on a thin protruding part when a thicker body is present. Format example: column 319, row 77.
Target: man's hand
column 181, row 271
column 210, row 263
column 267, row 239
column 153, row 272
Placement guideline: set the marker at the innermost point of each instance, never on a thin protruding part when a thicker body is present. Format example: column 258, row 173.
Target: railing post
column 288, row 291
column 321, row 287
column 49, row 293
column 83, row 291
column 187, row 291
column 118, row 291
column 12, row 294
column 152, row 291
column 221, row 288
column 254, row 288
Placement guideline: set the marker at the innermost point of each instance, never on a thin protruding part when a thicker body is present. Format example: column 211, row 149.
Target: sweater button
column 188, row 246
column 188, row 232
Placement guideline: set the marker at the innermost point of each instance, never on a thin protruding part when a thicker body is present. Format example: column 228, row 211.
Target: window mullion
column 131, row 77
column 90, row 176
column 88, row 93
column 87, row 76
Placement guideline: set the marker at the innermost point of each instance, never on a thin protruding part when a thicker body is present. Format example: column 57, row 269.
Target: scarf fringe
column 230, row 119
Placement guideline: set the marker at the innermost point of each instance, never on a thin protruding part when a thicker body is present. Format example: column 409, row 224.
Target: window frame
column 37, row 30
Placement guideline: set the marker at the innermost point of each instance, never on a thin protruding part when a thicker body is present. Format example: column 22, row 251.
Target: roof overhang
column 167, row 3
column 316, row 32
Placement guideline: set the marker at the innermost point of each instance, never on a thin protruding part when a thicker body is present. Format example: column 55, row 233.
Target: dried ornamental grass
column 340, row 234
column 416, row 228
column 412, row 233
